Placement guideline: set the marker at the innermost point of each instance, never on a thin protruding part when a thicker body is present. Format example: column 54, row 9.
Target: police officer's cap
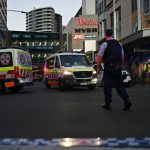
column 109, row 32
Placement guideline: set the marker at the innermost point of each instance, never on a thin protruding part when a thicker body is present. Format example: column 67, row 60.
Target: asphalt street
column 37, row 112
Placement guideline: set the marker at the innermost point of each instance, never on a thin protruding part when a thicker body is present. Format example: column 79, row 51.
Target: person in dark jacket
column 112, row 54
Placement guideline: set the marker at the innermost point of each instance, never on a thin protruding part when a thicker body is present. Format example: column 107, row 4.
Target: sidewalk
column 141, row 85
column 14, row 147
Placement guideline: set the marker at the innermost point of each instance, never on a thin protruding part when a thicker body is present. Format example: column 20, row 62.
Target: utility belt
column 114, row 70
column 112, row 66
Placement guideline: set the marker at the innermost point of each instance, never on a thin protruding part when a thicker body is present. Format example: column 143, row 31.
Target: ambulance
column 15, row 69
column 67, row 70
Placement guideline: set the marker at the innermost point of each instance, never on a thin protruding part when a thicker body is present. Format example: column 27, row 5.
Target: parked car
column 125, row 74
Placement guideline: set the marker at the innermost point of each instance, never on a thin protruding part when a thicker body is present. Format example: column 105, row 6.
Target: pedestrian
column 112, row 54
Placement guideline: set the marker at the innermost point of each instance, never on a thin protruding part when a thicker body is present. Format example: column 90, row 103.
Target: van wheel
column 47, row 85
column 2, row 87
column 128, row 84
column 14, row 89
column 61, row 85
column 91, row 87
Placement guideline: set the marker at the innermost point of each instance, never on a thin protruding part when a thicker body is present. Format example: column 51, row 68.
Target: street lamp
column 17, row 11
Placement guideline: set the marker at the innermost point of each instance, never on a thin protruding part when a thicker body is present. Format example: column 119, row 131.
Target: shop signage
column 80, row 21
column 82, row 37
column 86, row 30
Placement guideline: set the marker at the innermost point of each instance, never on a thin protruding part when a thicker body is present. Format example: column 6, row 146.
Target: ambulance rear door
column 6, row 64
column 25, row 66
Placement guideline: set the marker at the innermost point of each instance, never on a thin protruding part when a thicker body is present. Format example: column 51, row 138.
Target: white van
column 15, row 69
column 69, row 70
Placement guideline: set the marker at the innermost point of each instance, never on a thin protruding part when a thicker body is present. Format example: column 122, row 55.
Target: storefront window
column 140, row 67
column 134, row 16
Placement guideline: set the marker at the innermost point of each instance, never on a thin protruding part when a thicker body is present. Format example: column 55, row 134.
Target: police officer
column 112, row 54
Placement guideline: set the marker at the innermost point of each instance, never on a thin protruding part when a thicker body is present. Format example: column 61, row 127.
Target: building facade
column 58, row 23
column 82, row 30
column 39, row 44
column 130, row 20
column 86, row 4
column 137, row 41
column 3, row 22
column 101, row 12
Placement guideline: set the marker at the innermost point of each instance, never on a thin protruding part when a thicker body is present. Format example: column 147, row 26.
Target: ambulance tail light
column 45, row 67
column 16, row 71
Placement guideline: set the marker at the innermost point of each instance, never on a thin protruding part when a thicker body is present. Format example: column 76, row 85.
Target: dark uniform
column 112, row 52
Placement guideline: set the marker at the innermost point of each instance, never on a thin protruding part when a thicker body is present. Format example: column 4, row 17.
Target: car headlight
column 67, row 73
column 94, row 72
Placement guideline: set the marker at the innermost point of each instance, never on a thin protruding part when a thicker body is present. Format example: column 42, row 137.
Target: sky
column 16, row 20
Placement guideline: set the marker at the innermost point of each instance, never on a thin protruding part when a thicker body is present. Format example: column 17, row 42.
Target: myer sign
column 85, row 32
column 80, row 21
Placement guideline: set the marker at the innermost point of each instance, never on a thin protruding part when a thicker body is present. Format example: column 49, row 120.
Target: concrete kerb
column 17, row 147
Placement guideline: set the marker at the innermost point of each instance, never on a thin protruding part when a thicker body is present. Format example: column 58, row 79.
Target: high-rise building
column 86, row 4
column 3, row 22
column 41, row 20
column 3, row 13
column 58, row 23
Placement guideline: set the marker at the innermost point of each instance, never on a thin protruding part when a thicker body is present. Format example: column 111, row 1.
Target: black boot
column 106, row 106
column 127, row 106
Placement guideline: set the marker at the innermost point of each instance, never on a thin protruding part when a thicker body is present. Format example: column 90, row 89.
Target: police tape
column 71, row 142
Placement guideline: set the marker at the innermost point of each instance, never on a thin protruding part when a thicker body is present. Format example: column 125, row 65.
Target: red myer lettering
column 80, row 21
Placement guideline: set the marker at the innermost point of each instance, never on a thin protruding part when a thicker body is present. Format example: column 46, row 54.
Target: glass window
column 15, row 35
column 50, row 63
column 27, row 36
column 118, row 22
column 146, row 6
column 6, row 59
column 134, row 5
column 112, row 20
column 57, row 64
column 74, row 60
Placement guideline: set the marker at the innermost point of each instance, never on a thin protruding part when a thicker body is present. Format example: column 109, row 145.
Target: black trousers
column 113, row 78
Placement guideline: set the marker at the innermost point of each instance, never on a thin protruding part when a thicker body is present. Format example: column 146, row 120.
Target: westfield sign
column 80, row 21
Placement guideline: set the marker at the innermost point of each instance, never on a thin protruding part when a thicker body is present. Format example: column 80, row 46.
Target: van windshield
column 74, row 60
